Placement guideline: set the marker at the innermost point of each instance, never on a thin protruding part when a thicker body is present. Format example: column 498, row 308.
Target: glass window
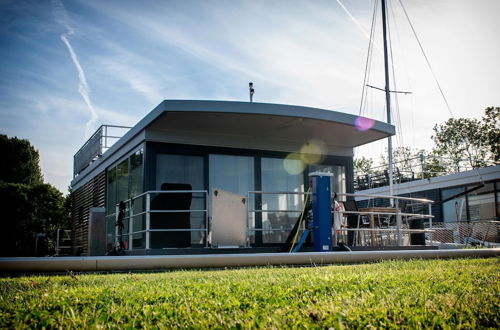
column 136, row 177
column 182, row 169
column 454, row 209
column 110, row 208
column 122, row 181
column 275, row 178
column 136, row 174
column 231, row 173
column 111, row 192
column 338, row 183
column 481, row 203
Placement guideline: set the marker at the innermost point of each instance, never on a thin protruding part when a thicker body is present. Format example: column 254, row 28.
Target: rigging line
column 396, row 108
column 405, row 67
column 396, row 98
column 426, row 59
column 374, row 24
column 357, row 23
column 368, row 56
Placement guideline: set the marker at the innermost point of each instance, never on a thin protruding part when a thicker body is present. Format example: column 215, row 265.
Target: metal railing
column 146, row 211
column 63, row 241
column 372, row 235
column 252, row 210
column 466, row 233
column 103, row 138
column 415, row 168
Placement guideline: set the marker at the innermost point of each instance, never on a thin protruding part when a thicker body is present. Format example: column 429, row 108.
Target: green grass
column 459, row 293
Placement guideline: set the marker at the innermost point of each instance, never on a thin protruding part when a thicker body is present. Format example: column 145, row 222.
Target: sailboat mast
column 387, row 95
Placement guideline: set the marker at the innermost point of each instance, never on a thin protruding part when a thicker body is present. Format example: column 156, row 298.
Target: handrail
column 399, row 230
column 422, row 200
column 148, row 211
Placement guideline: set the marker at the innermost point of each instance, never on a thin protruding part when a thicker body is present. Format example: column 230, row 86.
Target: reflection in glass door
column 231, row 173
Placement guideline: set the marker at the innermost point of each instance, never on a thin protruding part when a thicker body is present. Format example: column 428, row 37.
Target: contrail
column 367, row 35
column 61, row 17
column 83, row 87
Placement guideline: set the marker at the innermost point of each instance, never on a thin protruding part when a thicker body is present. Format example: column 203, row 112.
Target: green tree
column 19, row 161
column 363, row 165
column 462, row 140
column 491, row 126
column 28, row 205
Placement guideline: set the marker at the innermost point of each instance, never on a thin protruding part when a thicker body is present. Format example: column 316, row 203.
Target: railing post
column 117, row 211
column 207, row 231
column 398, row 223
column 57, row 241
column 148, row 219
column 130, row 224
column 430, row 224
column 247, row 234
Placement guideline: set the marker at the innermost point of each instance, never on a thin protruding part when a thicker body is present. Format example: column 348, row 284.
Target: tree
column 408, row 161
column 363, row 165
column 19, row 161
column 28, row 205
column 491, row 125
column 462, row 140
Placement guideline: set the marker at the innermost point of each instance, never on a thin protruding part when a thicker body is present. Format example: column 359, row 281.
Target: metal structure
column 65, row 264
column 145, row 211
column 63, row 242
column 103, row 138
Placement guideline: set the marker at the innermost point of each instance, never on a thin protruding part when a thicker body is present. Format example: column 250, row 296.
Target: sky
column 67, row 67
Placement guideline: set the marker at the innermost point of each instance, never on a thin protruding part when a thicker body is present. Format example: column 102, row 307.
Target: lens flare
column 293, row 164
column 363, row 123
column 312, row 152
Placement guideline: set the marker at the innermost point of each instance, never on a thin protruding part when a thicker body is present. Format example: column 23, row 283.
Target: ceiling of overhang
column 274, row 127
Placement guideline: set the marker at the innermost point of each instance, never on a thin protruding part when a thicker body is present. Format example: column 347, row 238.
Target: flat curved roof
column 277, row 121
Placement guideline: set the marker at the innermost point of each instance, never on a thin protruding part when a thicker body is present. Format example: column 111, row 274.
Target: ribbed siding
column 92, row 194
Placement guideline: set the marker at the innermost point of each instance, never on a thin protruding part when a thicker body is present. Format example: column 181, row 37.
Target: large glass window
column 454, row 209
column 276, row 178
column 172, row 170
column 180, row 169
column 481, row 203
column 136, row 179
column 123, row 182
column 231, row 173
column 338, row 182
column 110, row 208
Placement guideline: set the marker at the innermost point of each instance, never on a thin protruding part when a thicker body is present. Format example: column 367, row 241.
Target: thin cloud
column 365, row 33
column 61, row 17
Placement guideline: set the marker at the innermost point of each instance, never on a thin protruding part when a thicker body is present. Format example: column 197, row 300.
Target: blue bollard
column 322, row 211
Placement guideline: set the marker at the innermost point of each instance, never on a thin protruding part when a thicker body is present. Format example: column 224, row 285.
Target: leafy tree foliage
column 19, row 161
column 491, row 125
column 469, row 142
column 363, row 165
column 28, row 205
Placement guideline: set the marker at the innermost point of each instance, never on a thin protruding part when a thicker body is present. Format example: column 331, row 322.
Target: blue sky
column 68, row 66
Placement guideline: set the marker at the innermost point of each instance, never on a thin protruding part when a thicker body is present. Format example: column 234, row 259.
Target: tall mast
column 387, row 95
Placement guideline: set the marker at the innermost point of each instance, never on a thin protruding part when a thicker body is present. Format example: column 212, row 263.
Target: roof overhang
column 229, row 120
column 268, row 121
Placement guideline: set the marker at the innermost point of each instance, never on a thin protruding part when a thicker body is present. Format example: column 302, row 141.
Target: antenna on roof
column 250, row 88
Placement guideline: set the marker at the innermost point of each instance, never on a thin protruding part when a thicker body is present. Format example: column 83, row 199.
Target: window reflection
column 184, row 169
column 454, row 209
column 276, row 178
column 338, row 182
column 481, row 203
column 232, row 173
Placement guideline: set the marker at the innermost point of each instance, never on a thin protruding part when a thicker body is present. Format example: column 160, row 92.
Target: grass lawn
column 458, row 293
